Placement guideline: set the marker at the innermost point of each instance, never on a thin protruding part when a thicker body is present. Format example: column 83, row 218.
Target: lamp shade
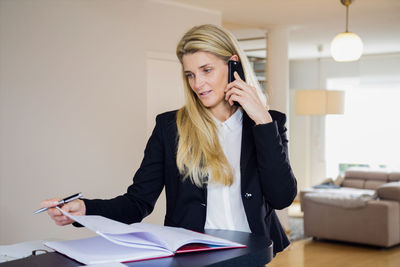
column 310, row 102
column 335, row 102
column 346, row 46
column 319, row 102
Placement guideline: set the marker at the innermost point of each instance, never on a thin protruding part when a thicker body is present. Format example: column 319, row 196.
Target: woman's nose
column 198, row 82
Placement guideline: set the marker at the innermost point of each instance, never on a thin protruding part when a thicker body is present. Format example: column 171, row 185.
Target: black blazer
column 267, row 181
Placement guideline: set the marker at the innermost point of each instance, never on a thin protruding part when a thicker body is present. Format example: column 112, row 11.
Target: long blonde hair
column 199, row 152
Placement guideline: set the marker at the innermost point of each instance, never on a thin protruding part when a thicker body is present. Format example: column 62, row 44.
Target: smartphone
column 232, row 67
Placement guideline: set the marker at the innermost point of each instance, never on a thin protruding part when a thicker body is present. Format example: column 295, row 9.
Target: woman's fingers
column 233, row 99
column 237, row 76
column 53, row 212
column 48, row 203
column 58, row 217
column 75, row 207
column 63, row 220
column 248, row 98
column 232, row 95
column 240, row 88
column 239, row 83
column 243, row 91
column 51, row 204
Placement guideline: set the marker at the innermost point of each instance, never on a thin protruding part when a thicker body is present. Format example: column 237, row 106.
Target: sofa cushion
column 366, row 174
column 394, row 176
column 373, row 184
column 389, row 191
column 344, row 197
column 355, row 183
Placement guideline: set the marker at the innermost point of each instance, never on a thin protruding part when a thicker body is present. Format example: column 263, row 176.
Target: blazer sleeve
column 278, row 183
column 141, row 196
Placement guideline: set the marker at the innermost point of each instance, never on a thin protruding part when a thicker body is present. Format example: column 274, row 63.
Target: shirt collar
column 233, row 122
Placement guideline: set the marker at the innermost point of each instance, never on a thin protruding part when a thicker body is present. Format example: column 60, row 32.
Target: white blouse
column 224, row 203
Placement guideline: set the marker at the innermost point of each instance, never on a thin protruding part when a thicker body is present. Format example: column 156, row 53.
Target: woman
column 222, row 166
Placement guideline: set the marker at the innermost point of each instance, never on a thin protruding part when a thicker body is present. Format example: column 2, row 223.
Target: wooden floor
column 310, row 253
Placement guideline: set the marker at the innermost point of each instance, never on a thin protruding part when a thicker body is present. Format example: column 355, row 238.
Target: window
column 368, row 134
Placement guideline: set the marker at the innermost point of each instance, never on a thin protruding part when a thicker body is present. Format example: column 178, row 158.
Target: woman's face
column 207, row 76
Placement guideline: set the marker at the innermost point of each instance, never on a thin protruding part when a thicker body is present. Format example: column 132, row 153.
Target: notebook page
column 99, row 223
column 117, row 232
column 167, row 237
column 177, row 237
column 97, row 250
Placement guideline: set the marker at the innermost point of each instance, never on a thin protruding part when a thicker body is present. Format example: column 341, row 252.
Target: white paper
column 96, row 250
column 177, row 237
column 119, row 242
column 143, row 234
column 21, row 250
column 117, row 232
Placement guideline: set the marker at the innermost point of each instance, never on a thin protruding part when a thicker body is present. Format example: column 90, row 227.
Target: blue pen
column 62, row 201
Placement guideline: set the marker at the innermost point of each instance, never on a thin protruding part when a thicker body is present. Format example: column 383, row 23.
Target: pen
column 62, row 201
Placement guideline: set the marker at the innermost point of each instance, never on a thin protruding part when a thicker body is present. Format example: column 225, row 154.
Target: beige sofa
column 365, row 209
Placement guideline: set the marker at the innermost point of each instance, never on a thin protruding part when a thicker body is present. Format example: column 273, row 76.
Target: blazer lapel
column 247, row 143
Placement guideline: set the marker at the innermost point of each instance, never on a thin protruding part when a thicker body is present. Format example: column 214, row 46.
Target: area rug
column 296, row 226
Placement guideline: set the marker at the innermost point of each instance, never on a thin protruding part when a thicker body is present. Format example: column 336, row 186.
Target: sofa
column 364, row 207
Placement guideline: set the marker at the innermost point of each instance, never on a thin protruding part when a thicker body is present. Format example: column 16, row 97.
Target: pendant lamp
column 346, row 46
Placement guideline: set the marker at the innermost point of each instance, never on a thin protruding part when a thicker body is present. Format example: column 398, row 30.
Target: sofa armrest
column 375, row 224
column 302, row 194
column 389, row 191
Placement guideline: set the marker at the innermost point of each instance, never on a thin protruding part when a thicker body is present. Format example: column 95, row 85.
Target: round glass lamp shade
column 346, row 46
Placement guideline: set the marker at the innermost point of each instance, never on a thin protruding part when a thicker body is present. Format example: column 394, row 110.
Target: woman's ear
column 234, row 58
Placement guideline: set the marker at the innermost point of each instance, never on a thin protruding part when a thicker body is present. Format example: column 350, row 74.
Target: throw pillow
column 390, row 191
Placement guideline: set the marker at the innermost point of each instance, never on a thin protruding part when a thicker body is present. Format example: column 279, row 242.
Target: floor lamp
column 315, row 104
column 319, row 102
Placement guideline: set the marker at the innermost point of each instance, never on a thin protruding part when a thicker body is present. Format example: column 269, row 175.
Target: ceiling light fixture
column 346, row 46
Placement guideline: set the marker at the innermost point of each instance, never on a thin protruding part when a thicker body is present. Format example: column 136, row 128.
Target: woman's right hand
column 76, row 207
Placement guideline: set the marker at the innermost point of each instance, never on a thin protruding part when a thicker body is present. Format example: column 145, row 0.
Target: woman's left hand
column 247, row 97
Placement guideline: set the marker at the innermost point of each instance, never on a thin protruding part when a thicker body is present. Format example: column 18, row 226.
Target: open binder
column 119, row 242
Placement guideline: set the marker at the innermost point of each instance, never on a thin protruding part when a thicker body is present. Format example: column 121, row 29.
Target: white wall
column 307, row 149
column 73, row 100
column 167, row 69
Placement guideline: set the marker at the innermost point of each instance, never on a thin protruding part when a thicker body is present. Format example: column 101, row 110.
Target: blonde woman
column 222, row 166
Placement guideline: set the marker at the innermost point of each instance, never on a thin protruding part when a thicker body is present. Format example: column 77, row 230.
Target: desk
column 259, row 251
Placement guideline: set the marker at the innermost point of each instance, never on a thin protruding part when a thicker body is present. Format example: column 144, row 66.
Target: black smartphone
column 232, row 67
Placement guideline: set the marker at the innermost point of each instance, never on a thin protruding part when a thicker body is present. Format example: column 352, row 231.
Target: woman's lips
column 205, row 93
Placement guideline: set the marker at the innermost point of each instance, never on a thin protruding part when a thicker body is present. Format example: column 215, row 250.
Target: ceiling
column 311, row 22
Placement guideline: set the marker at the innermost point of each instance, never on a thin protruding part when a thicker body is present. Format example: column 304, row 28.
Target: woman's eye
column 189, row 75
column 207, row 70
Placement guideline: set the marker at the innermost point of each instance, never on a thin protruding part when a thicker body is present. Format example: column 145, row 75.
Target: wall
column 73, row 100
column 307, row 149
